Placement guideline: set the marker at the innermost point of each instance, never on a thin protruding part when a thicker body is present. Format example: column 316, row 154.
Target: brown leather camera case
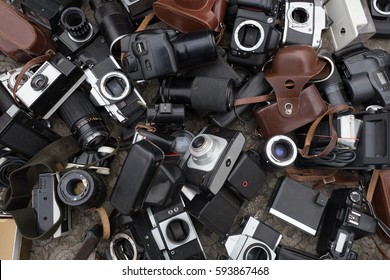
column 381, row 201
column 189, row 15
column 270, row 122
column 20, row 39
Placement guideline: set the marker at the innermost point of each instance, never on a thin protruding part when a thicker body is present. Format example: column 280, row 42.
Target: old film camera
column 254, row 36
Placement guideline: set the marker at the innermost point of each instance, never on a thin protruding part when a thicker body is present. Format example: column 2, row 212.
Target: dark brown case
column 381, row 201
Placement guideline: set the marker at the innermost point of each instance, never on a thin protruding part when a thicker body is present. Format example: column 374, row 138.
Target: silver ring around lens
column 114, row 74
column 332, row 68
column 241, row 25
column 203, row 154
column 261, row 246
column 375, row 4
column 90, row 34
column 273, row 159
column 122, row 236
column 14, row 76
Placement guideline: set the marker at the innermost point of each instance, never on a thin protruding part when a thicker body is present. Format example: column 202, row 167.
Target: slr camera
column 160, row 53
column 110, row 87
column 212, row 155
column 257, row 241
column 345, row 220
column 44, row 90
column 366, row 74
column 254, row 36
column 304, row 22
column 380, row 12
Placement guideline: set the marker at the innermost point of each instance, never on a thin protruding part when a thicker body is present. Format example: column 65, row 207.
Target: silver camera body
column 108, row 89
column 304, row 22
column 174, row 233
column 256, row 242
column 211, row 157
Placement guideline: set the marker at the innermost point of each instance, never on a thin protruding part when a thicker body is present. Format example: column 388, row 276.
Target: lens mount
column 202, row 148
column 281, row 151
column 124, row 238
column 122, row 81
column 299, row 15
column 250, row 23
column 379, row 8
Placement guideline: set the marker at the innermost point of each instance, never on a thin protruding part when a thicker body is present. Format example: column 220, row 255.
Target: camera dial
column 355, row 196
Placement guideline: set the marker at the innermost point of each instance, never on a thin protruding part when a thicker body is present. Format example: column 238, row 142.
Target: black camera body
column 304, row 22
column 160, row 53
column 254, row 36
column 48, row 88
column 47, row 13
column 345, row 220
column 366, row 75
column 212, row 155
column 380, row 12
column 257, row 241
column 174, row 232
column 16, row 125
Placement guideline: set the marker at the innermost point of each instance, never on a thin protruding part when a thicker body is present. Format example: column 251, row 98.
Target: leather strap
column 304, row 152
column 145, row 22
column 23, row 180
column 105, row 222
column 255, row 99
column 372, row 185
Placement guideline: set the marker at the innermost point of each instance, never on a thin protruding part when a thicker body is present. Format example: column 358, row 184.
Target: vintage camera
column 113, row 20
column 278, row 151
column 380, row 11
column 16, row 126
column 254, row 36
column 304, row 22
column 256, row 242
column 48, row 212
column 81, row 188
column 74, row 31
column 131, row 239
column 45, row 90
column 47, row 13
column 345, row 220
column 174, row 233
column 366, row 74
column 212, row 155
column 110, row 86
column 160, row 53
column 199, row 93
column 84, row 121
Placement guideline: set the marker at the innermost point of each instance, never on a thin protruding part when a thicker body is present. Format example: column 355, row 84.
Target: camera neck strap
column 23, row 180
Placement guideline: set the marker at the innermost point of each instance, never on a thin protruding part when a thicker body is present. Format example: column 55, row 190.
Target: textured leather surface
column 381, row 201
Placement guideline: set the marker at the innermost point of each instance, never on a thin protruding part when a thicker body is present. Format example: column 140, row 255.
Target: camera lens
column 300, row 15
column 13, row 77
column 382, row 6
column 115, row 86
column 279, row 151
column 257, row 252
column 198, row 142
column 84, row 121
column 76, row 24
column 177, row 230
column 39, row 82
column 80, row 188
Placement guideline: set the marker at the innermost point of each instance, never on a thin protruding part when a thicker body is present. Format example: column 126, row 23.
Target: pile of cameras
column 170, row 176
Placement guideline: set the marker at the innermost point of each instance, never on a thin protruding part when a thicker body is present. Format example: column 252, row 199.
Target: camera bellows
column 80, row 188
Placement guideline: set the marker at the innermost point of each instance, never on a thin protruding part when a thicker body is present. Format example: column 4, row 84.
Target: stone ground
column 66, row 247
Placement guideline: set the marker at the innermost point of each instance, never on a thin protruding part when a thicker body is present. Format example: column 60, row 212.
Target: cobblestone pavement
column 66, row 247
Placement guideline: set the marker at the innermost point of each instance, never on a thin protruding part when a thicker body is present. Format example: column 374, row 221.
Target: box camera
column 304, row 22
column 74, row 31
column 47, row 13
column 110, row 87
column 254, row 36
column 365, row 74
column 256, row 242
column 351, row 22
column 174, row 233
column 160, row 53
column 380, row 11
column 212, row 155
column 50, row 85
column 16, row 126
column 345, row 220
